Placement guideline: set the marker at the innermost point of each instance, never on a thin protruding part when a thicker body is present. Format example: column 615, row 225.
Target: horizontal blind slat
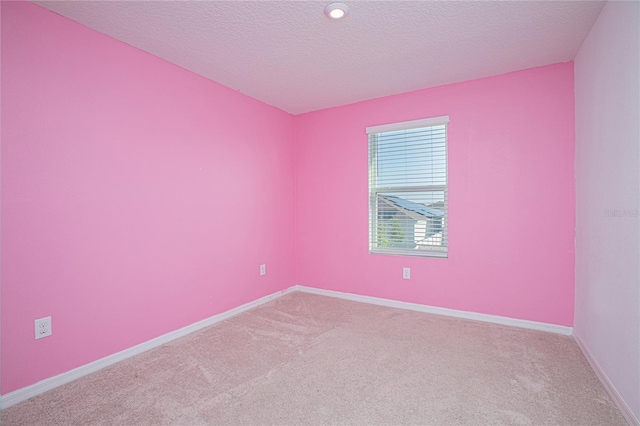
column 408, row 212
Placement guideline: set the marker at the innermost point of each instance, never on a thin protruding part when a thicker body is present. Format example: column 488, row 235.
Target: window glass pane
column 412, row 157
column 408, row 191
column 411, row 220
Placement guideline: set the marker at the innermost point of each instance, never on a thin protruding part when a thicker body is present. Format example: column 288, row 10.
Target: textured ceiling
column 290, row 55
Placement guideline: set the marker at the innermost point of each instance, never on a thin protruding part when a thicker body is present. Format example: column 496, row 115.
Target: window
column 408, row 188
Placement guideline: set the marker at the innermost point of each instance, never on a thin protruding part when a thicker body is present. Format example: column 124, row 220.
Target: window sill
column 412, row 253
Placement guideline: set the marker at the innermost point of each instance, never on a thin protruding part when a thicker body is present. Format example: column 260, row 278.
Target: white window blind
column 408, row 200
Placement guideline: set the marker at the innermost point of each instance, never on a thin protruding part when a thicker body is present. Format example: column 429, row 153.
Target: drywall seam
column 532, row 325
column 22, row 394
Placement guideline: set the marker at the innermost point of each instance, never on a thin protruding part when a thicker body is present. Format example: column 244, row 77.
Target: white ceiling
column 290, row 55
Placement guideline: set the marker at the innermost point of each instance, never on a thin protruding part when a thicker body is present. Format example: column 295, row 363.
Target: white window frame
column 440, row 252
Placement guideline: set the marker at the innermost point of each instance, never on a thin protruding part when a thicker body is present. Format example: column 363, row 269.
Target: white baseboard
column 611, row 390
column 533, row 325
column 45, row 385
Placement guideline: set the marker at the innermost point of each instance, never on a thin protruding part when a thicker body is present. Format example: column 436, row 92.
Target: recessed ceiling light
column 336, row 10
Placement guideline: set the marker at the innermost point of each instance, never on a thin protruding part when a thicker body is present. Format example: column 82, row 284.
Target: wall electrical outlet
column 406, row 273
column 263, row 269
column 43, row 327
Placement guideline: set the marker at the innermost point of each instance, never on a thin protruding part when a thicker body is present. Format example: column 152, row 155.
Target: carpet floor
column 310, row 360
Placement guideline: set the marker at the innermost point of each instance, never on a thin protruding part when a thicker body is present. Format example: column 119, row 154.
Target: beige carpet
column 311, row 360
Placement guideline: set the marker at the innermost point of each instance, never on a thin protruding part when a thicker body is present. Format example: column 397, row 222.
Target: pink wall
column 607, row 303
column 137, row 197
column 511, row 192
